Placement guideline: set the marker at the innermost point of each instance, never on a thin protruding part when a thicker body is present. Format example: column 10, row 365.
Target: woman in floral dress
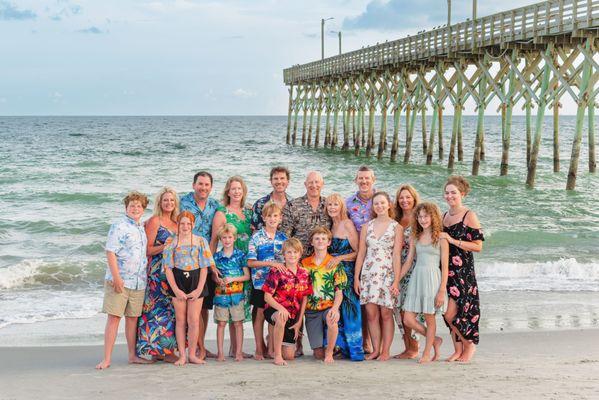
column 156, row 326
column 463, row 232
column 377, row 273
column 233, row 211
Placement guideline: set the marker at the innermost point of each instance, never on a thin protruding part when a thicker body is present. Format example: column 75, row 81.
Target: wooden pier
column 529, row 57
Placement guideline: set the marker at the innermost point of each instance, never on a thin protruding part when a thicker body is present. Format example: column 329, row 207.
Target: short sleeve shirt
column 187, row 257
column 288, row 289
column 204, row 218
column 324, row 283
column 263, row 248
column 127, row 239
column 257, row 221
column 358, row 210
column 230, row 267
column 299, row 219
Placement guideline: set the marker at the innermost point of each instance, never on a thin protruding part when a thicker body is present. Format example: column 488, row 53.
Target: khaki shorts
column 236, row 313
column 128, row 303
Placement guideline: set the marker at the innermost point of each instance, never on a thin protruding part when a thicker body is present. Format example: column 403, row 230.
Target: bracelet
column 460, row 244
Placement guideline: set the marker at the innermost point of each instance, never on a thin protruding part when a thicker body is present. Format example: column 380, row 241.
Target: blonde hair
column 436, row 224
column 321, row 230
column 336, row 197
column 236, row 178
column 158, row 203
column 227, row 228
column 136, row 196
column 391, row 208
column 415, row 196
column 460, row 182
column 293, row 243
column 271, row 208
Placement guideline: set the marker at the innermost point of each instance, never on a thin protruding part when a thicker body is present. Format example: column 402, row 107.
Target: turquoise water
column 62, row 179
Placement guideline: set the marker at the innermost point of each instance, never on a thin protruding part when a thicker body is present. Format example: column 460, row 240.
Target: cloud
column 92, row 30
column 66, row 11
column 3, row 100
column 9, row 12
column 244, row 94
column 311, row 35
column 56, row 97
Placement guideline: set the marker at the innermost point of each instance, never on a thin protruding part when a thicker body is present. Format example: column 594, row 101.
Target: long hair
column 336, row 197
column 236, row 178
column 191, row 217
column 158, row 203
column 415, row 196
column 436, row 224
column 391, row 208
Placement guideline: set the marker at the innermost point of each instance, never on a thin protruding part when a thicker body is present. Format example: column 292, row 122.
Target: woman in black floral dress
column 465, row 236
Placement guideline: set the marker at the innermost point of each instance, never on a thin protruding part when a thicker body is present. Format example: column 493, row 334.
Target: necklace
column 456, row 213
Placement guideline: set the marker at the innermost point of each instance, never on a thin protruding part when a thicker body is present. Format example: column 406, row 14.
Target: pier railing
column 530, row 24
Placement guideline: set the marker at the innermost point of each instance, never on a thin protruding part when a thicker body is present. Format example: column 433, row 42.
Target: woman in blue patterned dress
column 344, row 250
column 156, row 326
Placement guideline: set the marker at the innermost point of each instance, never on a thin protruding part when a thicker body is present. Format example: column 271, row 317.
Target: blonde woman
column 156, row 326
column 344, row 248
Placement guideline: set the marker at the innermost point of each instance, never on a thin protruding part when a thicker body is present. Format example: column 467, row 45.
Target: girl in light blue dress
column 426, row 292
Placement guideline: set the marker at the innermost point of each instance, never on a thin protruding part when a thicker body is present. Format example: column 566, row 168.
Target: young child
column 185, row 260
column 285, row 294
column 426, row 292
column 265, row 252
column 328, row 283
column 126, row 277
column 229, row 298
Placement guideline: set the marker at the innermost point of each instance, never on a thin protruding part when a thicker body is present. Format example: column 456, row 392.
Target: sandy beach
column 548, row 365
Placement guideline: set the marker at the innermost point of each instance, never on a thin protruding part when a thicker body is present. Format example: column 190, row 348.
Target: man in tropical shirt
column 279, row 180
column 323, row 305
column 359, row 204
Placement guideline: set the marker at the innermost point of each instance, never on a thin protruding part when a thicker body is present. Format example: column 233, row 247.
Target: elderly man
column 303, row 214
column 359, row 204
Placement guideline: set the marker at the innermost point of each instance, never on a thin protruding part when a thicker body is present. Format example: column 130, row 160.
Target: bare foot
column 371, row 356
column 139, row 360
column 368, row 349
column 279, row 361
column 383, row 357
column 196, row 360
column 407, row 355
column 220, row 357
column 270, row 356
column 299, row 353
column 209, row 354
column 258, row 357
column 437, row 347
column 103, row 364
column 240, row 357
column 426, row 358
column 170, row 358
column 456, row 354
column 469, row 350
column 181, row 361
column 328, row 359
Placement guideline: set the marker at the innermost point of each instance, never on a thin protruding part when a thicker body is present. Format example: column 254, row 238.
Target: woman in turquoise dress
column 344, row 249
column 156, row 326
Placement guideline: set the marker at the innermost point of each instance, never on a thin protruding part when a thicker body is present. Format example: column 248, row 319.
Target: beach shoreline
column 542, row 364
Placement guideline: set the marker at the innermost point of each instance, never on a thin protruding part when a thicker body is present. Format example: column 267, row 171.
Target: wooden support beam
column 481, row 96
column 423, row 125
column 289, row 112
column 592, row 159
column 507, row 126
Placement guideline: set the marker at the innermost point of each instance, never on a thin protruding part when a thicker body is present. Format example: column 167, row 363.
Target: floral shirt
column 299, row 219
column 257, row 221
column 324, row 283
column 243, row 226
column 230, row 267
column 204, row 218
column 358, row 210
column 127, row 239
column 187, row 257
column 263, row 248
column 288, row 289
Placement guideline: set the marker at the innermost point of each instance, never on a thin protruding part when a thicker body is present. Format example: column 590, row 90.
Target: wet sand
column 549, row 365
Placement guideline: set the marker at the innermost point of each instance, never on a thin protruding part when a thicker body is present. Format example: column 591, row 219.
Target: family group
column 345, row 271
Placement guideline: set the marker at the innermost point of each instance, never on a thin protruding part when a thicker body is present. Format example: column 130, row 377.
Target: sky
column 187, row 57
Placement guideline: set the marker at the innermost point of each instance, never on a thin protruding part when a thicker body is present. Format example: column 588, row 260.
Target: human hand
column 284, row 315
column 333, row 315
column 278, row 266
column 215, row 273
column 296, row 329
column 118, row 284
column 395, row 289
column 194, row 295
column 180, row 295
column 357, row 286
column 440, row 298
column 445, row 235
column 333, row 262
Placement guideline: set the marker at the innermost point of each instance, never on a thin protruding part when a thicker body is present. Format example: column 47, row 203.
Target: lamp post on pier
column 339, row 34
column 322, row 21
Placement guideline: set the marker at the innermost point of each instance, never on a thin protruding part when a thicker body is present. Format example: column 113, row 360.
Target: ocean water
column 63, row 179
